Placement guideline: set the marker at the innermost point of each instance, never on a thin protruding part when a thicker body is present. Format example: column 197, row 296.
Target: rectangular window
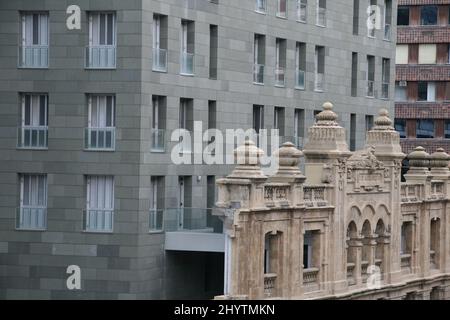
column 447, row 129
column 160, row 30
column 280, row 62
column 425, row 128
column 311, row 249
column 278, row 120
column 299, row 127
column 159, row 106
column 426, row 91
column 400, row 127
column 282, row 8
column 99, row 215
column 386, row 74
column 406, row 238
column 300, row 63
column 428, row 15
column 355, row 17
column 261, row 6
column 33, row 51
column 186, row 122
column 156, row 213
column 258, row 117
column 427, row 53
column 187, row 47
column 302, row 10
column 402, row 53
column 370, row 77
column 321, row 18
column 33, row 132
column 403, row 16
column 319, row 68
column 212, row 114
column 101, row 132
column 354, row 78
column 32, row 214
column 213, row 47
column 259, row 57
column 371, row 28
column 101, row 52
column 387, row 19
column 369, row 122
column 352, row 132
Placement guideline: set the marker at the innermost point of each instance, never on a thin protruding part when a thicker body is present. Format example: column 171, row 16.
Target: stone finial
column 327, row 117
column 248, row 159
column 439, row 159
column 383, row 122
column 419, row 158
column 288, row 159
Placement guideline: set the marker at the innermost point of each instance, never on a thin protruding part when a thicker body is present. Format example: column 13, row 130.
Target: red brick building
column 422, row 88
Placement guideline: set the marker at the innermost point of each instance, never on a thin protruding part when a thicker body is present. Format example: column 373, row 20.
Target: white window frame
column 302, row 6
column 33, row 208
column 105, row 209
column 92, row 38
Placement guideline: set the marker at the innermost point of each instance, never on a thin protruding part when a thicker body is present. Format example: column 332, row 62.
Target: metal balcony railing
column 321, row 18
column 258, row 73
column 187, row 63
column 369, row 88
column 279, row 76
column 319, row 82
column 260, row 6
column 31, row 218
column 301, row 12
column 159, row 59
column 98, row 220
column 300, row 79
column 189, row 219
column 158, row 140
column 101, row 57
column 33, row 56
column 33, row 137
column 100, row 138
column 387, row 32
column 156, row 220
column 385, row 90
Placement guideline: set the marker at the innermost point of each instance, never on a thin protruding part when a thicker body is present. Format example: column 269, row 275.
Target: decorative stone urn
column 248, row 159
column 288, row 157
column 419, row 161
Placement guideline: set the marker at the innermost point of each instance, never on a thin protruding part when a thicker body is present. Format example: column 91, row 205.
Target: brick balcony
column 421, row 2
column 423, row 34
column 420, row 72
column 422, row 110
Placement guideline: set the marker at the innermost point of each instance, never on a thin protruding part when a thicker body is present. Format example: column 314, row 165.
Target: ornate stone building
column 349, row 229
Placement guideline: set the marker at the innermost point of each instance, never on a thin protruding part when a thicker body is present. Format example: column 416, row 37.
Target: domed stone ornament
column 419, row 158
column 288, row 159
column 248, row 159
column 327, row 117
column 383, row 122
column 439, row 159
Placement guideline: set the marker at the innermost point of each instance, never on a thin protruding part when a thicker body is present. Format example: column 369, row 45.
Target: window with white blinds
column 32, row 213
column 33, row 51
column 99, row 203
column 33, row 132
column 100, row 133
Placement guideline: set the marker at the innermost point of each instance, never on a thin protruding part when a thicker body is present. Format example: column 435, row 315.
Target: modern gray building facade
column 86, row 117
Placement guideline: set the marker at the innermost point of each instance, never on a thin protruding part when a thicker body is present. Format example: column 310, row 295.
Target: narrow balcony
column 280, row 76
column 100, row 57
column 385, row 90
column 98, row 220
column 319, row 82
column 100, row 139
column 405, row 263
column 270, row 284
column 187, row 63
column 159, row 60
column 33, row 56
column 351, row 274
column 258, row 73
column 31, row 218
column 311, row 279
column 369, row 89
column 158, row 140
column 33, row 137
column 300, row 79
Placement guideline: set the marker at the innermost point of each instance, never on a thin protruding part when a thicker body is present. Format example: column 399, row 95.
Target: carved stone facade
column 349, row 229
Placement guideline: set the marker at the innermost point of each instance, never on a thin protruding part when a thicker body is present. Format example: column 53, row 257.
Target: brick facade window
column 403, row 16
column 428, row 15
